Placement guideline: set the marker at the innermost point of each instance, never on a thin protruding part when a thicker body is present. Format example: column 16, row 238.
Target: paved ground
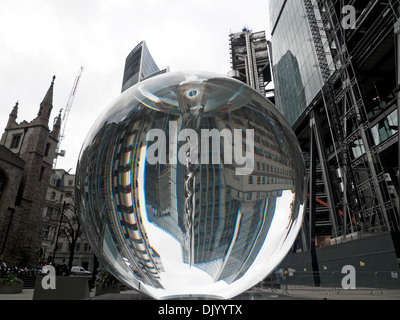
column 278, row 294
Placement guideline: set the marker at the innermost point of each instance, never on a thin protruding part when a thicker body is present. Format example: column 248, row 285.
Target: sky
column 42, row 38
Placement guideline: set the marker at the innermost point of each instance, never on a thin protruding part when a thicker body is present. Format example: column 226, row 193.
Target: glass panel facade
column 139, row 65
column 149, row 67
column 274, row 10
column 297, row 75
column 385, row 129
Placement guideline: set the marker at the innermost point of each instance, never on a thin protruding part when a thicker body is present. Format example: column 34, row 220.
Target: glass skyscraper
column 139, row 66
column 297, row 74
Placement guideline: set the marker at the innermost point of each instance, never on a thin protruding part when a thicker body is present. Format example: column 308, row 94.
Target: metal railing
column 332, row 282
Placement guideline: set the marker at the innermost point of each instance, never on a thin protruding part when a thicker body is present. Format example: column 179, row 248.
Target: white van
column 79, row 271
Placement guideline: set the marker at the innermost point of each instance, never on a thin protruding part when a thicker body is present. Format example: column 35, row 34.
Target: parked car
column 79, row 271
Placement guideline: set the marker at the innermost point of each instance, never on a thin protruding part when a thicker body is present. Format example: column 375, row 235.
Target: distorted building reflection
column 131, row 203
column 129, row 244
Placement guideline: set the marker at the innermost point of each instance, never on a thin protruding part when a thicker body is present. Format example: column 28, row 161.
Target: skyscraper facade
column 297, row 81
column 139, row 65
column 336, row 80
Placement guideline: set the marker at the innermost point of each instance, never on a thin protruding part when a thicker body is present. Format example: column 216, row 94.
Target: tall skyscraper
column 139, row 66
column 336, row 80
column 250, row 61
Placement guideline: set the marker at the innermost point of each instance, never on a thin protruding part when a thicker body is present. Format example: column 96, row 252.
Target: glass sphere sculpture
column 191, row 184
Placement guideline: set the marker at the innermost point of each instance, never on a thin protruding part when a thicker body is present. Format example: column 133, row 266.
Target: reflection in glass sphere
column 191, row 184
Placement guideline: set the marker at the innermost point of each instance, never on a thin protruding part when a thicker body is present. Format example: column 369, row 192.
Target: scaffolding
column 250, row 61
column 365, row 200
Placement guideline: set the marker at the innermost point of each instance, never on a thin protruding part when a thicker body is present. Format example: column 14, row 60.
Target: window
column 59, row 247
column 46, row 152
column 50, row 212
column 41, row 173
column 45, row 233
column 16, row 139
column 385, row 129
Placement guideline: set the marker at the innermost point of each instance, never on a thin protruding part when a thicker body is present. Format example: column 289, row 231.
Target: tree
column 70, row 227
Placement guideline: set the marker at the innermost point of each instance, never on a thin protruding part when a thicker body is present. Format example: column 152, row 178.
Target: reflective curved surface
column 191, row 184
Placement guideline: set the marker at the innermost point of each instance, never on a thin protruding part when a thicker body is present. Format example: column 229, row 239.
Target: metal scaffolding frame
column 366, row 202
column 250, row 60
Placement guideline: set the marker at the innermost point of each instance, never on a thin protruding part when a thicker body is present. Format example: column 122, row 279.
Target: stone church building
column 27, row 152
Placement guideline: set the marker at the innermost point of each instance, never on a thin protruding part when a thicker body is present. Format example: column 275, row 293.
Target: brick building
column 11, row 168
column 31, row 147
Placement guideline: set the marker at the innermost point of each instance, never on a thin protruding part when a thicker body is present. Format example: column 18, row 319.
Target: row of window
column 67, row 194
column 261, row 166
column 58, row 183
column 79, row 247
column 64, row 246
column 269, row 180
column 381, row 132
column 16, row 141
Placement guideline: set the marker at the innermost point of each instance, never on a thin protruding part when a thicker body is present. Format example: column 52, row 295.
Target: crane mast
column 65, row 116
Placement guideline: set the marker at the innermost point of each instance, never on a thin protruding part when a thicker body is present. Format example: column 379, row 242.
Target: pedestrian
column 58, row 270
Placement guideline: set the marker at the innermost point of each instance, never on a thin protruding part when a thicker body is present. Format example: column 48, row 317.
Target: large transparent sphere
column 191, row 184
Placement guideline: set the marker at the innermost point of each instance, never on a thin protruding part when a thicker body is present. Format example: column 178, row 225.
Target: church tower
column 36, row 145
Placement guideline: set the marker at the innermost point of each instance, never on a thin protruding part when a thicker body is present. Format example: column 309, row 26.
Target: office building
column 336, row 81
column 139, row 65
column 62, row 236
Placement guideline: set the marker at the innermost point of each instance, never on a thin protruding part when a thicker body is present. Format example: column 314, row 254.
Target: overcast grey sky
column 42, row 38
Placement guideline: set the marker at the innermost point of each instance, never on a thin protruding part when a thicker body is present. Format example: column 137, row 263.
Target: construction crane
column 65, row 116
